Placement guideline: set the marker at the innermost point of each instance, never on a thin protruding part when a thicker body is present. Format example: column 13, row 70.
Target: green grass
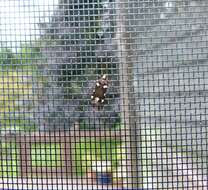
column 49, row 155
column 9, row 162
column 83, row 125
column 91, row 149
column 42, row 155
column 46, row 155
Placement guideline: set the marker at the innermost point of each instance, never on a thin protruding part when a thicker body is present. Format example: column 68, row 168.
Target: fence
column 103, row 94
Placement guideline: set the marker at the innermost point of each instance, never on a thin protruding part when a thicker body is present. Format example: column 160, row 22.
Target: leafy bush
column 7, row 57
column 28, row 53
column 14, row 102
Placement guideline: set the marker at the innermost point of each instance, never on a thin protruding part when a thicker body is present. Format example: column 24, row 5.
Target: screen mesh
column 103, row 94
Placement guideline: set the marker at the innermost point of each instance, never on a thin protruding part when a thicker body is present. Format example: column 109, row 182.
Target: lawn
column 46, row 155
column 9, row 161
column 49, row 155
column 91, row 149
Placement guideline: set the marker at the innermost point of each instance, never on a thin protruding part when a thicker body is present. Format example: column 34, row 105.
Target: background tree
column 79, row 47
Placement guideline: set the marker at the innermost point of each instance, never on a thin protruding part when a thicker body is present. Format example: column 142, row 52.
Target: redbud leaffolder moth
column 99, row 93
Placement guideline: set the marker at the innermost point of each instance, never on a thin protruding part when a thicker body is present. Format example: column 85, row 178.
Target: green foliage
column 83, row 125
column 28, row 53
column 92, row 149
column 79, row 43
column 15, row 89
column 7, row 58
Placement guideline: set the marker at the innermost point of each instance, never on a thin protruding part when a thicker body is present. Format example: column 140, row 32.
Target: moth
column 99, row 93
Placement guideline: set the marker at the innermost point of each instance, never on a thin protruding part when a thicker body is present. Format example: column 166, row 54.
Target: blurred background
column 151, row 131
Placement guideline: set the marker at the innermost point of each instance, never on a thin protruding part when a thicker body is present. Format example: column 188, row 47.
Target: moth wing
column 99, row 92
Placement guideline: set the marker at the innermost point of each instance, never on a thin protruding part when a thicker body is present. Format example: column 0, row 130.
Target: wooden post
column 128, row 113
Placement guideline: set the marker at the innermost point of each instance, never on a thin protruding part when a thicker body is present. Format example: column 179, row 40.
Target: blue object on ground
column 130, row 189
column 104, row 178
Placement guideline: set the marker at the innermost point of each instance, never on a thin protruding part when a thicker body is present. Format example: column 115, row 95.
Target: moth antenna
column 104, row 76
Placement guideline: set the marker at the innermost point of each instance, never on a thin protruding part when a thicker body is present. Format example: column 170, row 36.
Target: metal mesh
column 103, row 94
